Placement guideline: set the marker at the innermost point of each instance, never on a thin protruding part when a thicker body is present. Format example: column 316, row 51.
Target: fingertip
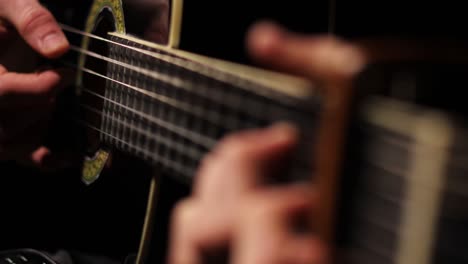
column 54, row 44
column 48, row 82
column 39, row 28
column 283, row 132
column 263, row 39
column 3, row 69
column 50, row 77
column 39, row 156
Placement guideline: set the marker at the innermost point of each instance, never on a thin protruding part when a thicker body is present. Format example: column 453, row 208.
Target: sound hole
column 92, row 101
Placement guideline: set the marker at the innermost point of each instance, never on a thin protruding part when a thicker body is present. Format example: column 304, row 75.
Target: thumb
column 36, row 25
column 309, row 56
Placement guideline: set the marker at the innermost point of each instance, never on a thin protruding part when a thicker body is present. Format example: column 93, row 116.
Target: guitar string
column 205, row 70
column 229, row 122
column 188, row 151
column 228, row 100
column 174, row 103
column 210, row 116
column 174, row 165
column 199, row 139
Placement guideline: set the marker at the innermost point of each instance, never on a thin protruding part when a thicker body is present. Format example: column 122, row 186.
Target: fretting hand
column 230, row 208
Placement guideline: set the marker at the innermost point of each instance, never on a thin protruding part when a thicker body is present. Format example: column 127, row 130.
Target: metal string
column 229, row 101
column 199, row 139
column 211, row 116
column 190, row 152
column 206, row 70
column 172, row 164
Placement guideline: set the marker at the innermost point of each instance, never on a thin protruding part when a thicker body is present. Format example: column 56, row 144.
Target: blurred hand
column 27, row 99
column 321, row 57
column 232, row 209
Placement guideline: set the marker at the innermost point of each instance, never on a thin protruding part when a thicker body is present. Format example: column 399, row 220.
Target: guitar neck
column 170, row 107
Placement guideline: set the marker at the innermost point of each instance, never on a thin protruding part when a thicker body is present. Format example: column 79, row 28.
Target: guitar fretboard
column 409, row 195
column 171, row 111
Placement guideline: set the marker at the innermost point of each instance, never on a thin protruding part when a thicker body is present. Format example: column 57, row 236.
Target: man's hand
column 36, row 25
column 320, row 57
column 232, row 209
column 26, row 99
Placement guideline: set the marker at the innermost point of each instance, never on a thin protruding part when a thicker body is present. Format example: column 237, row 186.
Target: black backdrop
column 217, row 28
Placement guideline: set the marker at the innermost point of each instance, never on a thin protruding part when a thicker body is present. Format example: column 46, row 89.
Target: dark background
column 217, row 28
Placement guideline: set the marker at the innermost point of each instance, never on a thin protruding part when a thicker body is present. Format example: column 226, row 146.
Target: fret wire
column 173, row 165
column 211, row 116
column 125, row 96
column 104, row 122
column 205, row 70
column 199, row 139
column 176, row 82
column 131, row 98
column 191, row 152
column 144, row 141
column 151, row 109
column 113, row 107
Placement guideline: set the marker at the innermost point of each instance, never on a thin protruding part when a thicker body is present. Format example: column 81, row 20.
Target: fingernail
column 265, row 36
column 284, row 131
column 53, row 42
column 350, row 61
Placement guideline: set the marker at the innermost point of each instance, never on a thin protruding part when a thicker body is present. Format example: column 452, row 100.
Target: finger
column 303, row 250
column 182, row 249
column 49, row 160
column 190, row 242
column 279, row 203
column 238, row 163
column 36, row 25
column 264, row 232
column 322, row 56
column 14, row 86
column 2, row 69
column 39, row 155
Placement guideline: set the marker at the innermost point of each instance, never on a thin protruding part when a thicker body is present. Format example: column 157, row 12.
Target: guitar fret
column 143, row 140
column 129, row 97
column 112, row 107
column 187, row 151
column 121, row 96
column 194, row 118
column 185, row 171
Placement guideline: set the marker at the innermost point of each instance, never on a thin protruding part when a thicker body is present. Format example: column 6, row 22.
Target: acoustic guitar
column 376, row 151
column 137, row 93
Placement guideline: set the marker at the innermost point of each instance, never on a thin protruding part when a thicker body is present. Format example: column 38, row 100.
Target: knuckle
column 234, row 147
column 255, row 207
column 206, row 169
column 183, row 213
column 207, row 162
column 33, row 18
